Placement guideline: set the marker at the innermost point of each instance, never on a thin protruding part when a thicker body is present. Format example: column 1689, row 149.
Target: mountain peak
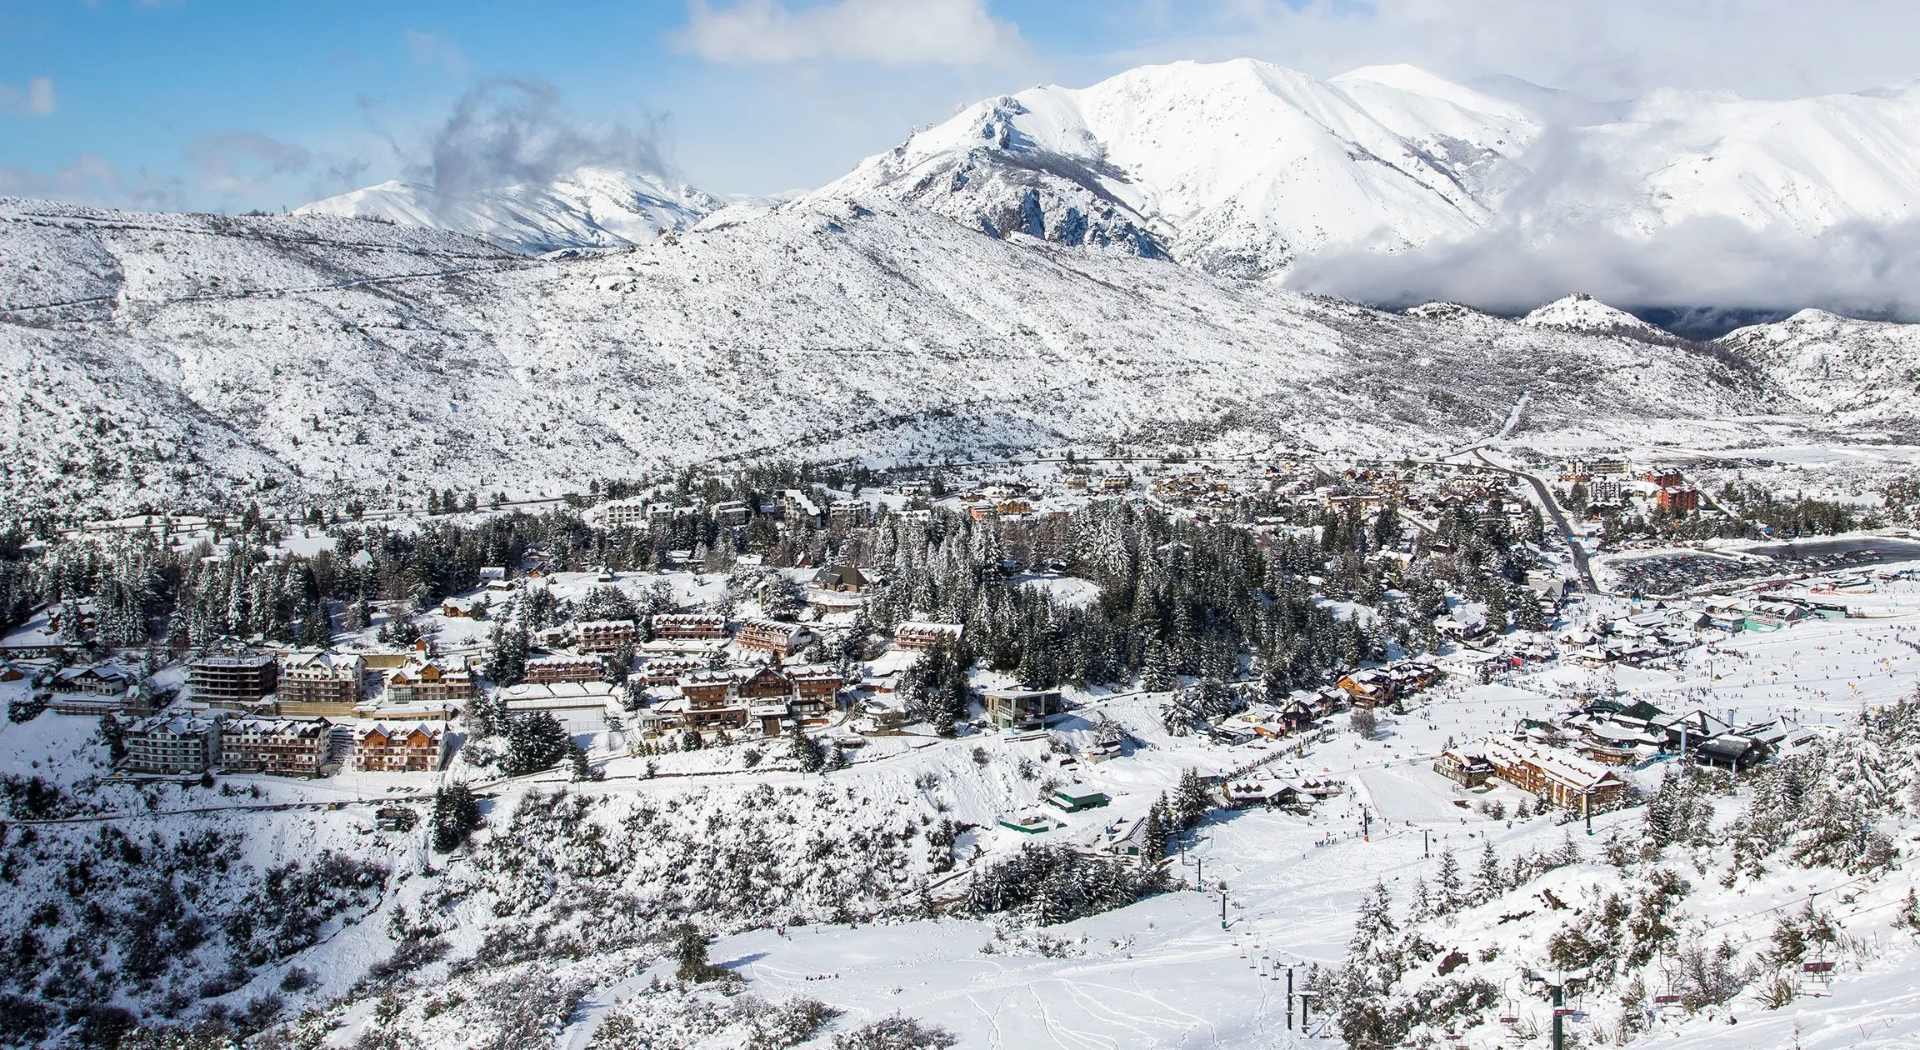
column 587, row 207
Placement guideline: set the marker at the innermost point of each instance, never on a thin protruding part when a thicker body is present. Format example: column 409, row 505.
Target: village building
column 316, row 683
column 666, row 670
column 797, row 505
column 772, row 636
column 731, row 513
column 463, row 609
column 94, row 691
column 623, row 512
column 579, row 707
column 1021, row 708
column 438, row 681
column 546, row 669
column 1369, row 688
column 849, row 514
column 235, row 680
column 1463, row 768
column 843, row 579
column 1677, row 500
column 605, row 636
column 99, row 680
column 767, row 696
column 281, row 746
column 388, row 659
column 920, row 635
column 381, row 748
column 689, row 625
column 175, row 746
column 1557, row 777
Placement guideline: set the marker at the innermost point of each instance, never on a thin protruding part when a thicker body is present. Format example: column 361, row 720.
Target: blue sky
column 234, row 104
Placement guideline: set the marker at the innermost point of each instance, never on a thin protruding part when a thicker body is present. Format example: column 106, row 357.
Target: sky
column 229, row 105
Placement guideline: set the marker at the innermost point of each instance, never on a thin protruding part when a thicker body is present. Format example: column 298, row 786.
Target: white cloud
column 37, row 100
column 890, row 32
column 243, row 162
column 433, row 49
column 1617, row 49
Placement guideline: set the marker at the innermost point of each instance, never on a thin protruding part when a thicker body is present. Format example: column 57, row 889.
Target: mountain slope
column 587, row 208
column 233, row 359
column 1856, row 372
column 1234, row 167
column 1401, row 180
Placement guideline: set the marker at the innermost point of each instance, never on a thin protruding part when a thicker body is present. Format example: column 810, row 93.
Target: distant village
column 702, row 666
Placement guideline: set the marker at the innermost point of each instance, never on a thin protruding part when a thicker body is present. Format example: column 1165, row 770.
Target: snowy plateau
column 976, row 603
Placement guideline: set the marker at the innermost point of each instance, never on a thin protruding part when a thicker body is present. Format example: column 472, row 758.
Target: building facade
column 281, row 746
column 321, row 683
column 175, row 746
column 605, row 636
column 381, row 748
column 237, row 679
column 438, row 681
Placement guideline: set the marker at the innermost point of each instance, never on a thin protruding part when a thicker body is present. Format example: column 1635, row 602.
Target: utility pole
column 1426, row 843
column 1586, row 804
column 1289, row 998
column 1223, row 908
column 1199, row 876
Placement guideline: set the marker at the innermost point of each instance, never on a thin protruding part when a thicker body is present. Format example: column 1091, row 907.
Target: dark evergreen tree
column 535, row 742
column 456, row 813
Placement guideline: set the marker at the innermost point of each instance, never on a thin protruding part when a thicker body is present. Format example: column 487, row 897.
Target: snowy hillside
column 1234, row 167
column 1858, row 371
column 589, row 208
column 1244, row 168
column 1585, row 314
column 213, row 358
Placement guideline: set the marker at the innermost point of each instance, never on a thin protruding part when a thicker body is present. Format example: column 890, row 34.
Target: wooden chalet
column 381, row 748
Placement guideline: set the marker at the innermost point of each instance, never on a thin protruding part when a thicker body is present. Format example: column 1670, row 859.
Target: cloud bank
column 519, row 132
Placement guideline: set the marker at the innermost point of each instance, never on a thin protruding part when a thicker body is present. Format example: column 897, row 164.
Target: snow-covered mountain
column 181, row 360
column 586, row 208
column 1243, row 168
column 1855, row 371
column 1235, row 167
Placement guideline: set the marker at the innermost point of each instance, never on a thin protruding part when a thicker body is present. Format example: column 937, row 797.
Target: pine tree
column 1447, row 881
column 456, row 813
column 1157, row 676
column 115, row 736
column 535, row 742
column 1374, row 925
column 1420, row 902
column 807, row 752
column 1155, row 836
column 1488, row 883
column 507, row 655
column 1192, row 801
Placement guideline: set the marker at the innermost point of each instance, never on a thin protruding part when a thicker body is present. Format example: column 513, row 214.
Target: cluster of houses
column 1610, row 732
column 1556, row 777
column 1661, row 628
column 188, row 743
column 809, row 506
column 1613, row 484
column 1383, row 686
